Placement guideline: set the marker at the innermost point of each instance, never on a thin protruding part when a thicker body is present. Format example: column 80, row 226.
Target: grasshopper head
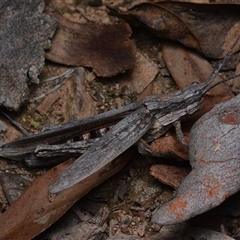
column 193, row 96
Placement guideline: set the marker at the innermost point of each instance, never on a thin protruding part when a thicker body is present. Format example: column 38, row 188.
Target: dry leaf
column 106, row 48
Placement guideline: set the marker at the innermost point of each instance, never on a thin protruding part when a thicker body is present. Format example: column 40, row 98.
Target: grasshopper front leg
column 117, row 140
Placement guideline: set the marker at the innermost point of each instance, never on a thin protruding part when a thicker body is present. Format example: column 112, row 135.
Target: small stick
column 16, row 124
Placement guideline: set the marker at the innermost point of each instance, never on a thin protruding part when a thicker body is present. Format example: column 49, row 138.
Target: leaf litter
column 56, row 108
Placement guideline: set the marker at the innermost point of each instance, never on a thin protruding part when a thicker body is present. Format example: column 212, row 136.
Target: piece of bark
column 169, row 175
column 25, row 33
column 36, row 209
column 169, row 146
column 106, row 48
column 214, row 156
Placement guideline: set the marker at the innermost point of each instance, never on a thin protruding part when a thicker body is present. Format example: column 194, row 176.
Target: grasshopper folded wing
column 122, row 136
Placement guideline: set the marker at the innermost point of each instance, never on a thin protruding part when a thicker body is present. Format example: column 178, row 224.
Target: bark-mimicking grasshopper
column 149, row 118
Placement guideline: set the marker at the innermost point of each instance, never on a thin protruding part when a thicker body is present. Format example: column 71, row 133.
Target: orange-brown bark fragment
column 170, row 175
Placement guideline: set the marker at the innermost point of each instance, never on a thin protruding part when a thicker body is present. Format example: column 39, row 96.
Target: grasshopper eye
column 197, row 95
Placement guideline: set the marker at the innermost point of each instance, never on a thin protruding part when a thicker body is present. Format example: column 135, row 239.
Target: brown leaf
column 211, row 29
column 187, row 66
column 106, row 48
column 214, row 155
column 36, row 210
column 169, row 175
column 25, row 32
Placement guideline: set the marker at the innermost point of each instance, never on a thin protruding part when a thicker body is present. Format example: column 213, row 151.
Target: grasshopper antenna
column 215, row 72
column 224, row 80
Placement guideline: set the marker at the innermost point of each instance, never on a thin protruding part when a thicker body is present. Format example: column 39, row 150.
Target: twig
column 16, row 124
